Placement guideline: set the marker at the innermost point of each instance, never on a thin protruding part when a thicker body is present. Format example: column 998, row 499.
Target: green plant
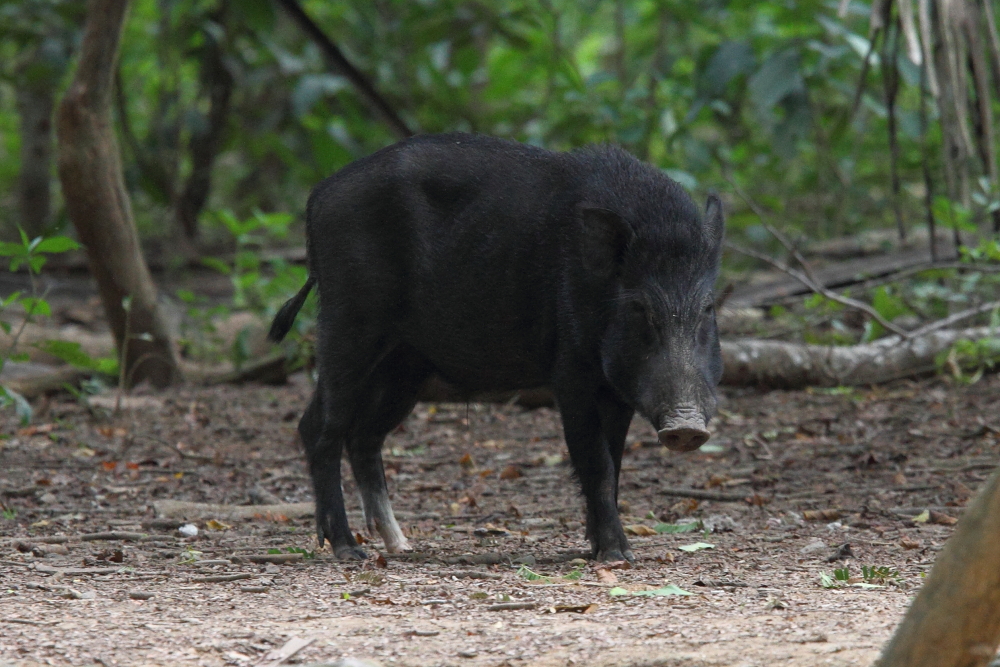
column 31, row 254
column 261, row 284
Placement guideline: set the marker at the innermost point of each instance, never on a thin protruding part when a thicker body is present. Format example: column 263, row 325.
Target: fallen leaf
column 639, row 529
column 923, row 517
column 616, row 565
column 909, row 543
column 575, row 608
column 212, row 524
column 821, row 515
column 511, row 472
column 717, row 480
column 697, row 546
column 606, row 576
column 942, row 519
column 466, row 461
column 41, row 429
column 656, row 592
column 670, row 528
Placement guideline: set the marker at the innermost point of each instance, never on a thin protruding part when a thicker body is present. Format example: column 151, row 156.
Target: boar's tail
column 282, row 323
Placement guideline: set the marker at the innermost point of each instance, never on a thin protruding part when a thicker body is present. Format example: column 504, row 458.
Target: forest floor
column 803, row 483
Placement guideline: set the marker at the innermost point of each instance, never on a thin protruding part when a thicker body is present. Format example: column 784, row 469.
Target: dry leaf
column 606, row 576
column 942, row 518
column 36, row 430
column 909, row 543
column 466, row 461
column 511, row 472
column 717, row 480
column 575, row 608
column 616, row 565
column 821, row 515
column 640, row 529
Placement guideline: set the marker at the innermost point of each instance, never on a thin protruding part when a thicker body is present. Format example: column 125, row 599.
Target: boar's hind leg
column 595, row 429
column 390, row 394
column 324, row 443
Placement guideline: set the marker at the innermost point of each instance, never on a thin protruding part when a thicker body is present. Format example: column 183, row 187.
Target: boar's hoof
column 614, row 555
column 683, row 439
column 348, row 552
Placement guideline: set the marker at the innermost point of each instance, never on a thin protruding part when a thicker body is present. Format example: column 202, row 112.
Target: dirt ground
column 792, row 485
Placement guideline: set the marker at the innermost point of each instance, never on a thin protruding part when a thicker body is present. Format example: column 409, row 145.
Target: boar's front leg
column 595, row 425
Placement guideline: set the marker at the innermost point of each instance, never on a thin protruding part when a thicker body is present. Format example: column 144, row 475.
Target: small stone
column 188, row 530
column 526, row 559
column 468, row 653
column 813, row 547
column 720, row 523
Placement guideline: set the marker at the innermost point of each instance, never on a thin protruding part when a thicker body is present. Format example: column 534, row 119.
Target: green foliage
column 967, row 360
column 31, row 254
column 871, row 577
column 670, row 528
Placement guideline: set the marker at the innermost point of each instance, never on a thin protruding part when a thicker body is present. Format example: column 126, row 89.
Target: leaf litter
column 844, row 468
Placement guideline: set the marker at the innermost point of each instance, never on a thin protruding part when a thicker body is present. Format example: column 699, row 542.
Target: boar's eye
column 640, row 322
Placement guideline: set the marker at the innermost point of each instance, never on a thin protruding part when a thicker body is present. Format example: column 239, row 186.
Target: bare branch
column 806, row 276
column 819, row 288
column 336, row 58
column 957, row 317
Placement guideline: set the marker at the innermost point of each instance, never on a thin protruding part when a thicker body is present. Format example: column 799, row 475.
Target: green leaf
column 34, row 306
column 69, row 352
column 669, row 528
column 697, row 546
column 56, row 244
column 22, row 408
column 826, row 581
column 776, row 79
column 12, row 250
column 217, row 264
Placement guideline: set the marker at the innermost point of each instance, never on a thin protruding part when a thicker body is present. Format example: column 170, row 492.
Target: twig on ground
column 701, row 494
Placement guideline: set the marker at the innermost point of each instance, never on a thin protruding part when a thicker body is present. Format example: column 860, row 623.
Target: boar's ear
column 605, row 238
column 715, row 223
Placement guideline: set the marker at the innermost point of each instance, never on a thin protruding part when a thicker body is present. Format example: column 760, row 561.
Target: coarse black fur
column 498, row 265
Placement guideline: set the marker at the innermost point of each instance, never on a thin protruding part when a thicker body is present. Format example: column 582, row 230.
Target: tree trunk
column 205, row 144
column 955, row 619
column 97, row 203
column 35, row 101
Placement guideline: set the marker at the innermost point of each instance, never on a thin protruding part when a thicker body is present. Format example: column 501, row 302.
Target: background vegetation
column 826, row 118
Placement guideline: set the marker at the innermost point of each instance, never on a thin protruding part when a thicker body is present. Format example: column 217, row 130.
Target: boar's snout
column 683, row 439
column 684, row 431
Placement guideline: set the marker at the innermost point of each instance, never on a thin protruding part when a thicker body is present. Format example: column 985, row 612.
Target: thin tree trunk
column 35, row 101
column 98, row 205
column 890, row 82
column 955, row 619
column 204, row 146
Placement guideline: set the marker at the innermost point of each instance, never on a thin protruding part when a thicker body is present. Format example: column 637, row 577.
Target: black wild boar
column 502, row 266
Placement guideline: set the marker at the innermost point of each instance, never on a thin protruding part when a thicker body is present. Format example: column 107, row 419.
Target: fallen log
column 779, row 364
column 955, row 619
